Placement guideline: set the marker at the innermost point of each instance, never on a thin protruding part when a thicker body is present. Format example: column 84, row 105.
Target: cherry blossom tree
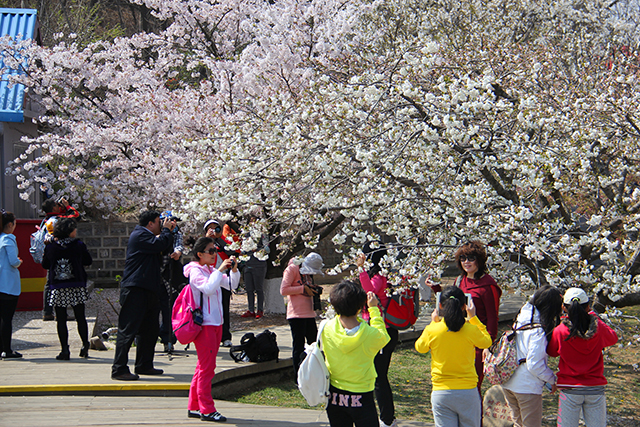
column 426, row 123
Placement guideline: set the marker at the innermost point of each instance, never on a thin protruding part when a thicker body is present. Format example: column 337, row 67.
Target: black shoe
column 84, row 351
column 215, row 417
column 168, row 348
column 193, row 414
column 152, row 371
column 48, row 317
column 127, row 376
column 63, row 356
column 11, row 355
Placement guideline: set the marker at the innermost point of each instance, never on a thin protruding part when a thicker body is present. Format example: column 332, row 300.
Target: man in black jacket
column 139, row 296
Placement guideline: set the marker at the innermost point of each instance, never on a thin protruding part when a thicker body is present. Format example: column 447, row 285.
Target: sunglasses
column 469, row 258
column 211, row 251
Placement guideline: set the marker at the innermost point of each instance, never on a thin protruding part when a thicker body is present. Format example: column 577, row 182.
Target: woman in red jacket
column 579, row 341
column 471, row 259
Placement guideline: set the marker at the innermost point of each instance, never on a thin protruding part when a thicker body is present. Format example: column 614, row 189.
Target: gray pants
column 456, row 408
column 593, row 406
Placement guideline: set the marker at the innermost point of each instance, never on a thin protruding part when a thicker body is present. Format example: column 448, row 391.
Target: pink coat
column 299, row 306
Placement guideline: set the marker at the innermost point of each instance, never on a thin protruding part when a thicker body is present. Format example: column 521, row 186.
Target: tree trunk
column 628, row 300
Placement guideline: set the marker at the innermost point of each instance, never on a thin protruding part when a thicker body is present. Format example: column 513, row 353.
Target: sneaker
column 248, row 314
column 393, row 424
column 259, row 314
column 11, row 355
column 227, row 343
column 216, row 417
column 193, row 414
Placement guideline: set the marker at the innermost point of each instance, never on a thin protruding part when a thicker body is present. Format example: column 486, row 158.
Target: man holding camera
column 140, row 290
column 297, row 285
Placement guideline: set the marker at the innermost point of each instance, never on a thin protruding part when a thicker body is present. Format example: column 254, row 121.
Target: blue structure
column 19, row 24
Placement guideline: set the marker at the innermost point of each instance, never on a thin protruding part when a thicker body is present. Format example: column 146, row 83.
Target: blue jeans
column 593, row 407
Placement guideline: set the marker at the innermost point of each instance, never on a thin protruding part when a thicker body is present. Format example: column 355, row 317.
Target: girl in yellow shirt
column 455, row 400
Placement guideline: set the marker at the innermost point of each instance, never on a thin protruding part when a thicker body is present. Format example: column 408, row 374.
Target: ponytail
column 452, row 299
column 579, row 317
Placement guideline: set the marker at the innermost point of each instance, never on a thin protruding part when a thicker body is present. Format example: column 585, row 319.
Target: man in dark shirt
column 139, row 296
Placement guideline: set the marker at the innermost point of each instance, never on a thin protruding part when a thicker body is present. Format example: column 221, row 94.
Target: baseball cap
column 208, row 223
column 575, row 294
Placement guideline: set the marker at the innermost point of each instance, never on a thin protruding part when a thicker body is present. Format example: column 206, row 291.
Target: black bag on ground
column 256, row 348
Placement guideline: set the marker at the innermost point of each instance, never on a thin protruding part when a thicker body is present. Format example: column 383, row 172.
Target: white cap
column 208, row 223
column 575, row 294
column 312, row 264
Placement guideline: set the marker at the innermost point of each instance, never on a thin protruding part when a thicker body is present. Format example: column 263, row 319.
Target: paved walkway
column 41, row 391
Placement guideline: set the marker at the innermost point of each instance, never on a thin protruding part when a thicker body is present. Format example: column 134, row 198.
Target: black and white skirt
column 68, row 297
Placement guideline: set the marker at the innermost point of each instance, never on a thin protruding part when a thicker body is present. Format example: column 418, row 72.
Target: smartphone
column 469, row 300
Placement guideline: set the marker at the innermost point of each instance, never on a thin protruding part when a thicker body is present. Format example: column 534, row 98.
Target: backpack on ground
column 186, row 316
column 37, row 242
column 256, row 348
column 313, row 375
column 502, row 360
column 403, row 309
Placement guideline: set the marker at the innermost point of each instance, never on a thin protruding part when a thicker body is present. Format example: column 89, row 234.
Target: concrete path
column 39, row 390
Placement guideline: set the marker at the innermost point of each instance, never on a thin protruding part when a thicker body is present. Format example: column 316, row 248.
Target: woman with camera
column 206, row 282
column 374, row 281
column 297, row 285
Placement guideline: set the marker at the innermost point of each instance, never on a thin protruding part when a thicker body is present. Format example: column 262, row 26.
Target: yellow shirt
column 349, row 358
column 453, row 354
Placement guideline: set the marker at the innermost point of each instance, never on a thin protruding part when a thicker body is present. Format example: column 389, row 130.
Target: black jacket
column 65, row 259
column 144, row 258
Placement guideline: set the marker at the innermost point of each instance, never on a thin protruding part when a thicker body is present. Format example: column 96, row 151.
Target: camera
column 317, row 304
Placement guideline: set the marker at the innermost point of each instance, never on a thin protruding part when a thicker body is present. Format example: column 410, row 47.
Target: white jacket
column 207, row 280
column 531, row 344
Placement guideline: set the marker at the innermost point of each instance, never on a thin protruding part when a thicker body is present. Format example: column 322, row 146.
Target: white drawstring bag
column 313, row 375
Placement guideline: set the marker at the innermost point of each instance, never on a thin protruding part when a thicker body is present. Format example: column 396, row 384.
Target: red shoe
column 248, row 314
column 259, row 314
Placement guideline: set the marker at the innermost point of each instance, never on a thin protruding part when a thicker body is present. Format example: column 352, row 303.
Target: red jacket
column 486, row 297
column 581, row 363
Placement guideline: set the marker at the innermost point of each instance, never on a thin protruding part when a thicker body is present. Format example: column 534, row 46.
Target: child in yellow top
column 455, row 400
column 350, row 345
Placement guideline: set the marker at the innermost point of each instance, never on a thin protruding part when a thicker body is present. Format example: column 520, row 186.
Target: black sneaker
column 193, row 414
column 215, row 417
column 11, row 355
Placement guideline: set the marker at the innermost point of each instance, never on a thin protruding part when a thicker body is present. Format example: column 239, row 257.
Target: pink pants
column 207, row 344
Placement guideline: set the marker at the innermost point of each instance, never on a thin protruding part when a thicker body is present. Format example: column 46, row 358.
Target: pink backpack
column 186, row 317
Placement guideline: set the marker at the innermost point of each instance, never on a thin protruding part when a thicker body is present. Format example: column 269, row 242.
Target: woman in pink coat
column 297, row 285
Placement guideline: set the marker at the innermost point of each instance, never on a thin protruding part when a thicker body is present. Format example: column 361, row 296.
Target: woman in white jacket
column 205, row 280
column 523, row 391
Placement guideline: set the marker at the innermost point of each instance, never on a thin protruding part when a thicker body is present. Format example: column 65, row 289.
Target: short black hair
column 148, row 216
column 64, row 227
column 347, row 298
column 49, row 205
column 7, row 217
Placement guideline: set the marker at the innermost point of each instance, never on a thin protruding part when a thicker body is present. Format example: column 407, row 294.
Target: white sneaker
column 227, row 343
column 393, row 424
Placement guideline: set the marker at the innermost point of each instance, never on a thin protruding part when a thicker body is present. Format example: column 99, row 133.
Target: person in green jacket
column 350, row 345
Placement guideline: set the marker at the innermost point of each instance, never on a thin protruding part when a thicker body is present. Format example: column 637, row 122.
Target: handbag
column 186, row 317
column 313, row 374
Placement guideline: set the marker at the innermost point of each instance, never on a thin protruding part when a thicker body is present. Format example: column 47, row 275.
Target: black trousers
column 383, row 392
column 226, row 324
column 138, row 319
column 8, row 304
column 346, row 408
column 301, row 330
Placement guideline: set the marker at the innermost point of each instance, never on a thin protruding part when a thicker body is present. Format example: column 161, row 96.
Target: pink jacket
column 378, row 285
column 299, row 306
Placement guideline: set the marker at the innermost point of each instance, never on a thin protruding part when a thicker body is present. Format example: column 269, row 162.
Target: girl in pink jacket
column 205, row 283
